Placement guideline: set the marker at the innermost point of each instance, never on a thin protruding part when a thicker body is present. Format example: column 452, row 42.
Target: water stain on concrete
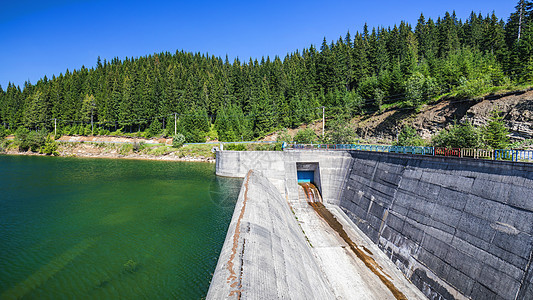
column 369, row 262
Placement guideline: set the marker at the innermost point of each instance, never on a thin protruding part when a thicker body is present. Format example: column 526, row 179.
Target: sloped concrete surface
column 348, row 276
column 265, row 254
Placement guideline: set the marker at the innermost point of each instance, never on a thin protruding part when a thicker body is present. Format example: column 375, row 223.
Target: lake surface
column 109, row 229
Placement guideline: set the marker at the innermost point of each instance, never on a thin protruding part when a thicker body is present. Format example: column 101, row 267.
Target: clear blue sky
column 40, row 38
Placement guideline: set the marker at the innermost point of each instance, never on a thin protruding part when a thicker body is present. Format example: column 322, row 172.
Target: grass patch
column 158, row 150
column 125, row 149
column 196, row 150
column 525, row 144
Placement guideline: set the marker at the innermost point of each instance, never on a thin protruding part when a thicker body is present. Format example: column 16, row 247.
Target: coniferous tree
column 353, row 74
column 448, row 37
column 125, row 116
column 36, row 111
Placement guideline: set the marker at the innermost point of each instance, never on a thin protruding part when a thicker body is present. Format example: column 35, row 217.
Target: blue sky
column 46, row 37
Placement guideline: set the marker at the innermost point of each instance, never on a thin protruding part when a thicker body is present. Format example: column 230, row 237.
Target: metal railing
column 497, row 154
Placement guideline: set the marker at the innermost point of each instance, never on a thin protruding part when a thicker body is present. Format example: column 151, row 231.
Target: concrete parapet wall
column 265, row 254
column 458, row 228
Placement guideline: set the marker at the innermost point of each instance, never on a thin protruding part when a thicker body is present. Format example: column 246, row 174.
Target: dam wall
column 457, row 228
column 265, row 254
column 280, row 167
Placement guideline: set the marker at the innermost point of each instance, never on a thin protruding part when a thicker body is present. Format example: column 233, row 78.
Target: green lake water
column 109, row 229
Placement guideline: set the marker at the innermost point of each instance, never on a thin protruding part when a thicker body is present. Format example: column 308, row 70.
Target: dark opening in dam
column 309, row 172
column 306, row 176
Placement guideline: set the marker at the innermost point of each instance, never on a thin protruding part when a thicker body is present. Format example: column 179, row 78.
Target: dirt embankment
column 315, row 125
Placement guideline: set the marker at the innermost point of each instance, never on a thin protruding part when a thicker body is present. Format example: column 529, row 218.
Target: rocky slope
column 515, row 107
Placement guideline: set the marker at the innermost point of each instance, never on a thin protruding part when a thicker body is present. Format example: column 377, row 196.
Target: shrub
column 3, row 145
column 266, row 147
column 21, row 136
column 212, row 133
column 74, row 130
column 138, row 146
column 305, row 136
column 409, row 137
column 235, row 147
column 353, row 103
column 155, row 128
column 458, row 136
column 284, row 136
column 158, row 151
column 87, row 130
column 32, row 140
column 339, row 132
column 495, row 133
column 178, row 140
column 473, row 87
column 367, row 86
column 420, row 88
column 49, row 148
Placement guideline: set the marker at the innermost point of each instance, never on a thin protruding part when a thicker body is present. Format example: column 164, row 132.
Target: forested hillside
column 356, row 74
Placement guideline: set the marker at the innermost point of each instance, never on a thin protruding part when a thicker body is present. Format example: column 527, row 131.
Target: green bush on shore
column 178, row 140
column 36, row 141
column 50, row 147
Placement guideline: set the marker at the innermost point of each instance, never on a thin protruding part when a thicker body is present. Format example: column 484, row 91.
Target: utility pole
column 55, row 128
column 520, row 19
column 323, row 119
column 92, row 124
column 175, row 124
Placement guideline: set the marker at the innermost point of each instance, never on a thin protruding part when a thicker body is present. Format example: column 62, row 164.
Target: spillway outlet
column 311, row 192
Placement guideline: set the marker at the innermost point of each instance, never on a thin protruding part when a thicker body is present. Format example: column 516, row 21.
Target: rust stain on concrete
column 233, row 278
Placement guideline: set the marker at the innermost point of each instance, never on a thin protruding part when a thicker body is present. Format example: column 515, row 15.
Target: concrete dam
column 393, row 226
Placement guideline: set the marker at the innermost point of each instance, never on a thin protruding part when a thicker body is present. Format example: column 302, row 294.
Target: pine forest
column 360, row 73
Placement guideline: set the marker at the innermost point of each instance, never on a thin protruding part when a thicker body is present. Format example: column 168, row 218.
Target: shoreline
column 128, row 157
column 91, row 151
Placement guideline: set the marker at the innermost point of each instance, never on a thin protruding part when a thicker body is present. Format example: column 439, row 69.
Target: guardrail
column 497, row 154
